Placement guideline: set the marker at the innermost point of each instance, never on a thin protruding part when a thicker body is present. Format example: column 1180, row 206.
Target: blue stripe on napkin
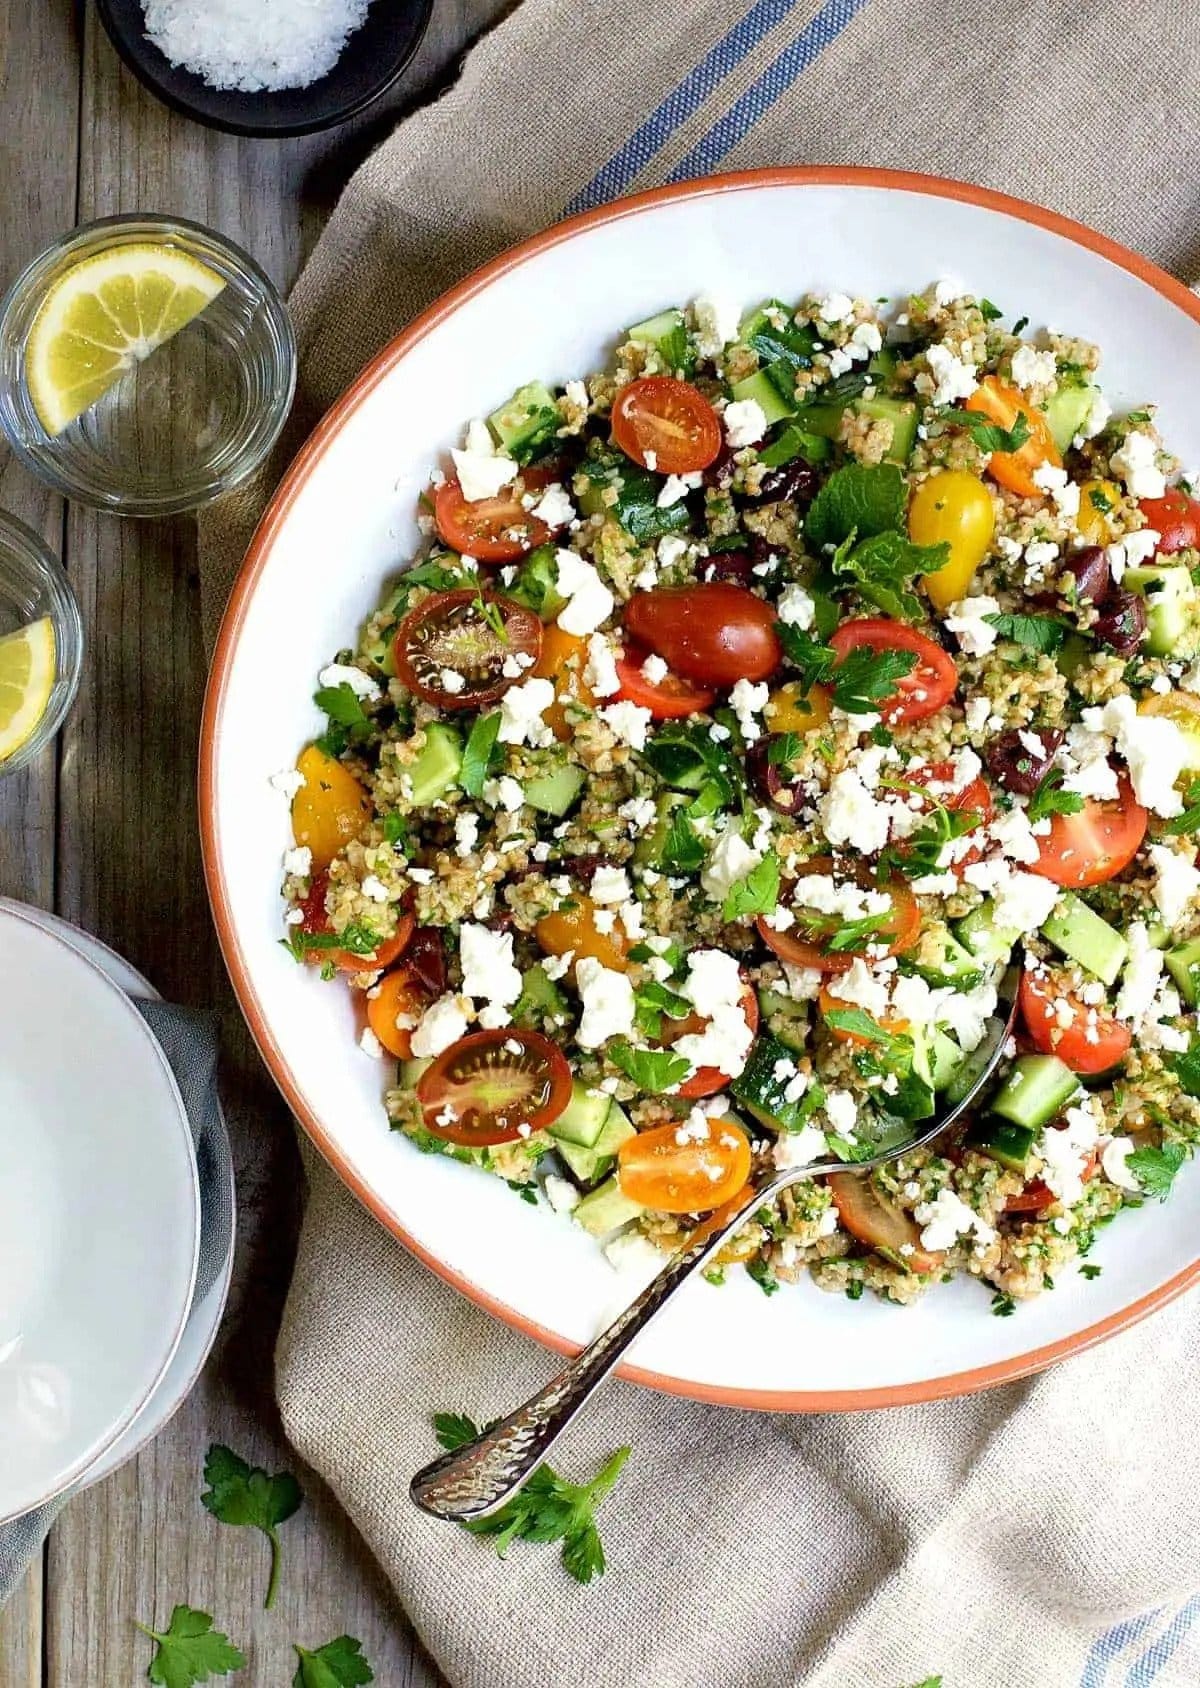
column 1145, row 1669
column 1105, row 1650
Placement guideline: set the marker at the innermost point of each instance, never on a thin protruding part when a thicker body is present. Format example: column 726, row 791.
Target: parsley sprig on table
column 242, row 1494
column 548, row 1508
column 338, row 1664
column 190, row 1650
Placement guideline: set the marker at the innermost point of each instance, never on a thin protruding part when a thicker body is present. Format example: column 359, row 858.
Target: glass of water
column 34, row 587
column 179, row 426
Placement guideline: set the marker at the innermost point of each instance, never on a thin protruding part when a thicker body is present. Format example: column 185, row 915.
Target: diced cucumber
column 606, row 1208
column 793, row 442
column 758, row 1088
column 536, row 584
column 881, row 366
column 945, row 1059
column 1008, row 1143
column 587, row 1165
column 941, row 959
column 655, row 329
column 972, row 1065
column 554, row 789
column 986, row 941
column 1158, row 936
column 1066, row 411
column 636, row 491
column 758, row 319
column 1183, row 964
column 650, row 846
column 765, row 394
column 438, row 764
column 666, row 335
column 1037, row 1089
column 1079, row 933
column 903, row 417
column 785, row 1019
column 410, row 1071
column 1172, row 608
column 583, row 1118
column 527, row 422
column 540, row 1001
column 617, row 1129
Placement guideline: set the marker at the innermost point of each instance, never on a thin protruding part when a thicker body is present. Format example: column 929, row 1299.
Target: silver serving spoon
column 480, row 1476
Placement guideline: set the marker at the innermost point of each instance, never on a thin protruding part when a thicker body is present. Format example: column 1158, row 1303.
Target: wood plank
column 21, row 1634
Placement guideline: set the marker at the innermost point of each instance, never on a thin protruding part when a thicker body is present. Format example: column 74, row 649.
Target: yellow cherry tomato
column 330, row 807
column 1183, row 708
column 692, row 1176
column 955, row 508
column 574, row 929
column 790, row 709
column 1096, row 499
column 562, row 661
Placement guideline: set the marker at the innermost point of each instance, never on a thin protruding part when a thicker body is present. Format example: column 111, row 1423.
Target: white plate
column 99, row 1215
column 552, row 309
column 204, row 1319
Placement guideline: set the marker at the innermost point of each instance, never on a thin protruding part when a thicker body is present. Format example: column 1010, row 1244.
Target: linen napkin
column 1039, row 1536
column 189, row 1042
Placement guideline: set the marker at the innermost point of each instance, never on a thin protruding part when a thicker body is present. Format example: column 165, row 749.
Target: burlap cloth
column 1045, row 1534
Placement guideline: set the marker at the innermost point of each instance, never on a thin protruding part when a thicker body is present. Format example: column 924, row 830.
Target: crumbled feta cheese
column 515, row 664
column 576, row 394
column 608, row 1005
column 947, row 1218
column 1097, row 418
column 298, row 861
column 835, row 307
column 369, row 1043
column 342, row 674
column 655, row 669
column 560, row 1193
column 748, row 701
column 796, row 607
column 629, row 722
column 1177, row 880
column 442, row 1024
column 860, row 986
column 555, row 507
column 1024, row 901
column 850, row 814
column 554, row 966
column 716, row 324
column 731, row 859
column 1114, row 1160
column 1140, row 980
column 745, row 422
column 1059, row 488
column 634, row 1258
column 954, row 379
column 481, row 471
column 947, row 292
column 799, row 1148
column 487, row 963
column 466, row 832
column 600, row 670
column 639, row 812
column 1136, row 462
column 967, row 620
column 676, row 487
column 1154, row 750
column 1033, row 368
column 715, row 988
column 374, row 888
column 864, row 341
column 1038, row 558
column 589, row 601
column 505, row 793
column 452, row 681
column 521, row 711
column 288, row 781
column 976, row 713
column 1066, row 1150
column 672, row 549
column 841, row 1111
column 610, row 885
column 1131, row 551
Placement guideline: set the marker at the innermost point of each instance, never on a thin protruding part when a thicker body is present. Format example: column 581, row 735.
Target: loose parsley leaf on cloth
column 338, row 1664
column 1039, row 632
column 240, row 1494
column 190, row 1650
column 757, row 892
column 936, row 1681
column 1049, row 798
column 1155, row 1169
column 548, row 1508
column 652, row 1070
column 988, row 436
column 862, row 499
column 479, row 754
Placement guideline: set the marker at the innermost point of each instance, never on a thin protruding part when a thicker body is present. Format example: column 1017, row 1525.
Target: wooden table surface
column 103, row 829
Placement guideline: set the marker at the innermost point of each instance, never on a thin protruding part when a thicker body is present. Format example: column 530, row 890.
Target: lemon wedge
column 27, row 670
column 105, row 314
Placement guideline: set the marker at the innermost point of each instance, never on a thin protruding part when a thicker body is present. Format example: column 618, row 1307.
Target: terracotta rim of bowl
column 277, row 513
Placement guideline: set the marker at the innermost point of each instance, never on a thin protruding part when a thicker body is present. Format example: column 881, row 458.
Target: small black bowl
column 372, row 59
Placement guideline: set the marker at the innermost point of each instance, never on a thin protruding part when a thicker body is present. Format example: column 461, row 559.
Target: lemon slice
column 102, row 316
column 27, row 670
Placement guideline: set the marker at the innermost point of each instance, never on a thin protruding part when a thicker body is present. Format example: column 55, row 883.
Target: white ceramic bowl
column 552, row 308
column 99, row 1215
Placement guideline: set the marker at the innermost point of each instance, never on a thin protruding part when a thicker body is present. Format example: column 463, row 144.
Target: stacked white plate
column 101, row 1335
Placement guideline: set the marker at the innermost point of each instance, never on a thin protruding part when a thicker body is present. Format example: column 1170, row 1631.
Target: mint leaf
column 190, row 1650
column 242, row 1494
column 1155, row 1169
column 1038, row 632
column 869, row 498
column 882, row 565
column 338, row 1664
column 652, row 1070
column 756, row 893
column 479, row 753
column 988, row 436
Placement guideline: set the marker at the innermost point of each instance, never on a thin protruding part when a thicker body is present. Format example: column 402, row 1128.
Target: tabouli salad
column 754, row 702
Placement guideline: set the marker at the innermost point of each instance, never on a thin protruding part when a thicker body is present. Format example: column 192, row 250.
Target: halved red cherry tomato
column 693, row 1176
column 925, row 688
column 899, row 930
column 1085, row 1039
column 1175, row 518
column 667, row 699
column 876, row 1221
column 316, row 925
column 488, row 1085
column 493, row 530
column 975, row 798
column 670, row 419
column 715, row 634
column 454, row 632
column 1038, row 1195
column 1094, row 844
column 1015, row 469
column 706, row 1081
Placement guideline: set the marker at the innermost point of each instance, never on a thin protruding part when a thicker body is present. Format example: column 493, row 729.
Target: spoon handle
column 477, row 1478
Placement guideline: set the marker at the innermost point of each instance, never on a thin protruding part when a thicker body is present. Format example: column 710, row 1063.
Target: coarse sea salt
column 254, row 45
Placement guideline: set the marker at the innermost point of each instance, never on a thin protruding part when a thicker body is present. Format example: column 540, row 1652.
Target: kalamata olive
column 1090, row 571
column 425, row 959
column 773, row 780
column 1121, row 622
column 1013, row 760
column 728, row 565
column 720, row 471
column 796, row 480
column 585, row 868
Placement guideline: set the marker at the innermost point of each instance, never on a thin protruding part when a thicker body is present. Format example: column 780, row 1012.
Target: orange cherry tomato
column 667, row 699
column 493, row 530
column 489, row 1085
column 1015, row 469
column 329, row 809
column 1175, row 517
column 1085, row 1039
column 694, row 1175
column 828, row 1003
column 670, row 419
column 925, row 688
column 974, row 798
column 874, row 1219
column 563, row 660
column 707, row 1081
column 398, row 996
column 899, row 931
column 715, row 634
column 574, row 929
column 316, row 924
column 455, row 632
column 1094, row 844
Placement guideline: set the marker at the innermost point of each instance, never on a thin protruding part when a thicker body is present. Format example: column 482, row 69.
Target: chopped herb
column 857, row 1023
column 988, row 436
column 762, row 1275
column 866, row 678
column 1049, row 798
column 242, row 1494
column 651, row 1001
column 1189, row 820
column 190, row 1650
column 672, row 955
column 348, row 722
column 839, row 391
column 395, row 829
column 921, row 852
column 714, row 1275
column 839, row 936
column 756, row 893
column 1003, row 1305
column 491, row 613
column 1021, row 324
column 356, row 939
column 338, row 1664
column 480, row 753
column 989, row 312
column 1186, row 1068
column 1139, row 419
column 1039, row 632
column 684, row 754
column 1088, row 1270
column 652, row 1070
column 880, row 567
column 784, row 747
column 854, row 1289
column 1155, row 1169
column 1099, row 499
column 527, row 1192
column 814, row 660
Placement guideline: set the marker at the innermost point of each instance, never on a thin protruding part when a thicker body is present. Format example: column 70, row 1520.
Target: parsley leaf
column 190, row 1650
column 1049, row 799
column 921, row 851
column 867, row 678
column 338, row 1664
column 756, row 893
column 880, row 566
column 762, row 1275
column 1003, row 1306
column 479, row 754
column 1099, row 499
column 814, row 660
column 347, row 719
column 839, row 936
column 857, row 1023
column 1088, row 1270
column 784, row 747
column 395, row 828
column 988, row 436
column 652, row 1070
column 989, row 313
column 1039, row 632
column 866, row 499
column 455, row 1430
column 1189, row 820
column 651, row 1001
column 239, row 1494
column 356, row 939
column 1186, row 1068
column 1155, row 1169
